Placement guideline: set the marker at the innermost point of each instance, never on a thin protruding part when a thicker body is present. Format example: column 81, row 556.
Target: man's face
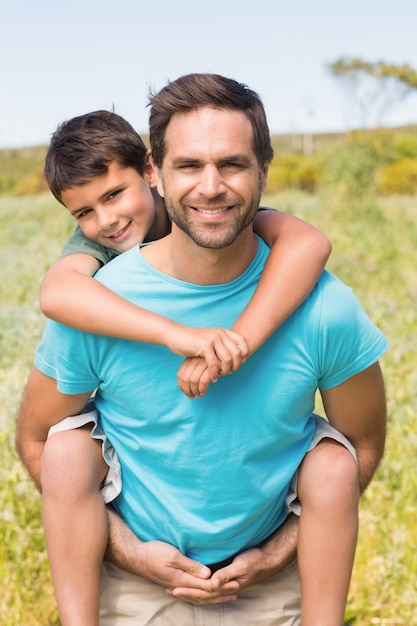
column 115, row 210
column 210, row 176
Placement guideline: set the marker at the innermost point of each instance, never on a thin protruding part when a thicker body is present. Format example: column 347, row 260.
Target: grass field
column 374, row 251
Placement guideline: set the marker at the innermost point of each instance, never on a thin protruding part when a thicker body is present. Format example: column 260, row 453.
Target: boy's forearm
column 80, row 301
column 298, row 255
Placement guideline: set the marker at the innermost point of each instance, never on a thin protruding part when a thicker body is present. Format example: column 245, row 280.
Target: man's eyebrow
column 240, row 158
column 179, row 160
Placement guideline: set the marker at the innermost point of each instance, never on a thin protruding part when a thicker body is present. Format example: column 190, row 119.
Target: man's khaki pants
column 128, row 600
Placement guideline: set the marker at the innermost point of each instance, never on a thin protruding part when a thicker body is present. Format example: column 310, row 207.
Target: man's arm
column 357, row 408
column 42, row 406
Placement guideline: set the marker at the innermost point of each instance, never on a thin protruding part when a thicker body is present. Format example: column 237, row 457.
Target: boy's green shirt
column 78, row 243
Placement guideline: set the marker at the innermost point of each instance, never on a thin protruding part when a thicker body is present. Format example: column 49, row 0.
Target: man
column 205, row 482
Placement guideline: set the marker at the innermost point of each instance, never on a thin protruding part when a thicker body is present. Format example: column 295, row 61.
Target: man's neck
column 178, row 256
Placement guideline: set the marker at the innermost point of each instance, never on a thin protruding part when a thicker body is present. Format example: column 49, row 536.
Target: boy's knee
column 330, row 476
column 67, row 457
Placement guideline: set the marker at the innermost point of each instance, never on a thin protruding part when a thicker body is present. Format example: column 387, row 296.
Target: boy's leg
column 328, row 490
column 75, row 522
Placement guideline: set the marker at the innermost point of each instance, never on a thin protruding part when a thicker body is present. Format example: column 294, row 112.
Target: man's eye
column 233, row 164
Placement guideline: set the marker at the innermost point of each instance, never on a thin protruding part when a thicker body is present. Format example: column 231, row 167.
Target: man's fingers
column 198, row 596
column 194, row 568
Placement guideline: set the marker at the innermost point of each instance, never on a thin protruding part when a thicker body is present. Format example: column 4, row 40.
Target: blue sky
column 60, row 59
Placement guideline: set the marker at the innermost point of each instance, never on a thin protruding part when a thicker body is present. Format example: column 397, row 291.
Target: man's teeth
column 212, row 211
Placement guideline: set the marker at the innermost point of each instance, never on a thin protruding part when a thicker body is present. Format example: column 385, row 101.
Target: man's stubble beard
column 205, row 237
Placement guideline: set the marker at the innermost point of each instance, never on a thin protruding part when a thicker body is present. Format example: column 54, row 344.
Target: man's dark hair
column 83, row 147
column 193, row 91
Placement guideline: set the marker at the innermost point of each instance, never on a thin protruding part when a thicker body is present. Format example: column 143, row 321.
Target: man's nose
column 211, row 182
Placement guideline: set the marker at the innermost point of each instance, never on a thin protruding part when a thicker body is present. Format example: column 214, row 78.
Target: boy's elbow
column 326, row 246
column 47, row 302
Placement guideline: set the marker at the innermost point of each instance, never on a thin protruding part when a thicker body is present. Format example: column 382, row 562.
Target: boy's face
column 115, row 210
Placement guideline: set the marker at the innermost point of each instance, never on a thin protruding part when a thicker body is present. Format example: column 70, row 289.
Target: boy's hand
column 194, row 377
column 223, row 352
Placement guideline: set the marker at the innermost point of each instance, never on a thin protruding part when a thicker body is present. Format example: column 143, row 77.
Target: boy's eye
column 113, row 194
column 82, row 214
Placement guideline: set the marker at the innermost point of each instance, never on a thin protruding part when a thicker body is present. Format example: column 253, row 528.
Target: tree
column 373, row 88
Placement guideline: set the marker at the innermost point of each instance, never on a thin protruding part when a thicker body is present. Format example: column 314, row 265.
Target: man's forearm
column 257, row 564
column 123, row 548
column 368, row 461
column 30, row 453
column 281, row 549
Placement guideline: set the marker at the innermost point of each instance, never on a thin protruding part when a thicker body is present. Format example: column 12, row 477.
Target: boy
column 98, row 167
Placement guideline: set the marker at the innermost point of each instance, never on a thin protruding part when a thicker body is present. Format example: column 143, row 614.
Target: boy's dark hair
column 193, row 91
column 83, row 147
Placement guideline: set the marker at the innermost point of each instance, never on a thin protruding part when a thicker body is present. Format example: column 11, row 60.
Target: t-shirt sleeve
column 349, row 341
column 66, row 355
column 78, row 243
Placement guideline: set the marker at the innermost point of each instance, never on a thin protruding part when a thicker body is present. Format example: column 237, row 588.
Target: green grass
column 374, row 251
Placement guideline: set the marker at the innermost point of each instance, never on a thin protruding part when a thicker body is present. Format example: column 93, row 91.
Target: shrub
column 405, row 146
column 293, row 171
column 398, row 178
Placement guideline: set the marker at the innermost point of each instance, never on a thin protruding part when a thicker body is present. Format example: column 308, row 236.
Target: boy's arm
column 71, row 296
column 298, row 255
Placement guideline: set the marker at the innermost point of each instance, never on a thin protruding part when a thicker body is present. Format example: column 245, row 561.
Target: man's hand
column 222, row 352
column 248, row 568
column 163, row 564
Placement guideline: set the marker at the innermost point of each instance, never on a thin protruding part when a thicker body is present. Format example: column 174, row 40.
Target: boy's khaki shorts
column 112, row 485
column 324, row 430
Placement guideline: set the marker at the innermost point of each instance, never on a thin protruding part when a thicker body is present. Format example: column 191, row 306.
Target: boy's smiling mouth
column 120, row 233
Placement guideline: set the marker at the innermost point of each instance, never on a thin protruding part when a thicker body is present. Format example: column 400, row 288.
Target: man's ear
column 264, row 176
column 149, row 173
column 153, row 174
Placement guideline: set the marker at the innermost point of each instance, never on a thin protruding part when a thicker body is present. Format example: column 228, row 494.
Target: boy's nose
column 106, row 220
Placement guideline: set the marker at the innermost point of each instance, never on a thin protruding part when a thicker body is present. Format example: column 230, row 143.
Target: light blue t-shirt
column 210, row 476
